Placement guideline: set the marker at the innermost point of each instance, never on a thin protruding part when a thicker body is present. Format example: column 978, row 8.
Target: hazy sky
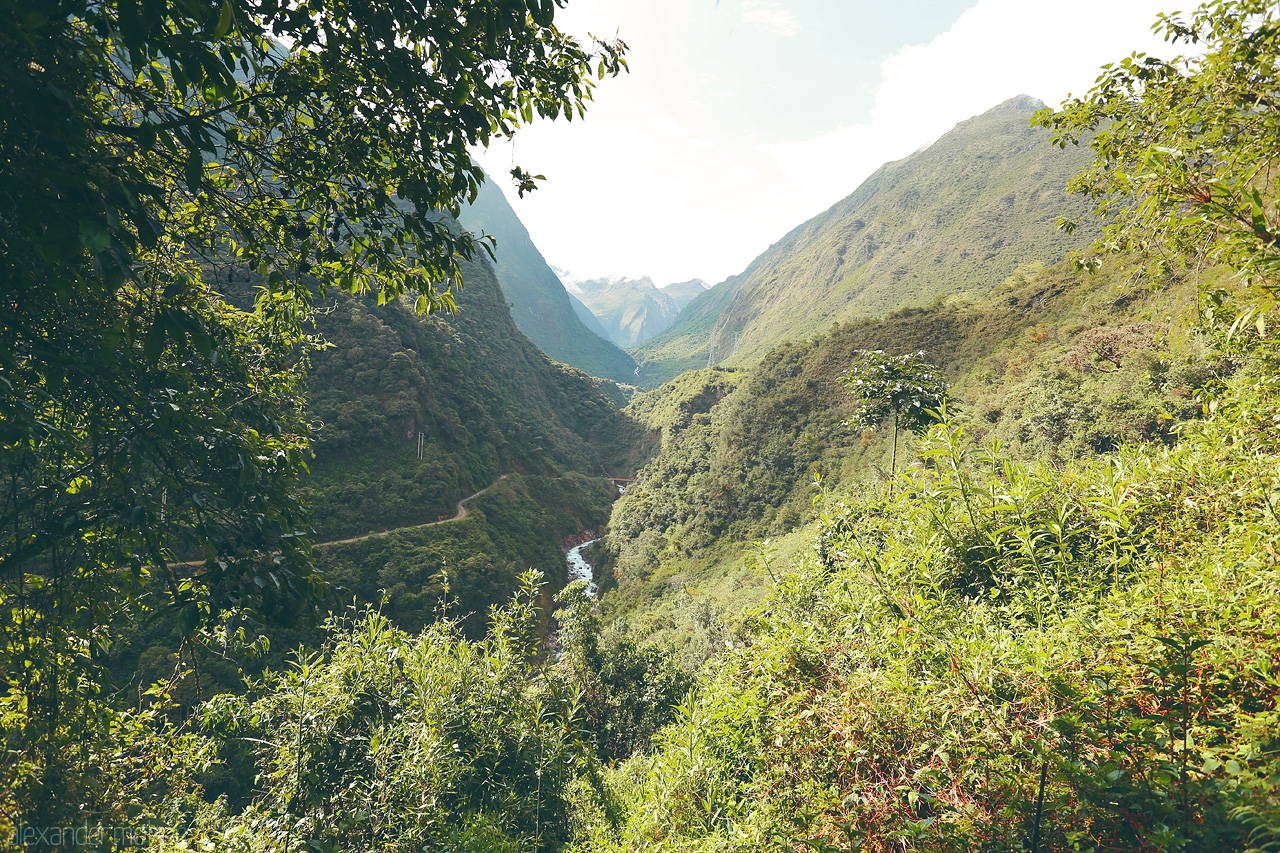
column 741, row 119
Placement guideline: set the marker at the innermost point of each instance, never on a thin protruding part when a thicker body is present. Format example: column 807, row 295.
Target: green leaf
column 153, row 343
column 1259, row 218
column 195, row 170
column 542, row 12
column 224, row 22
column 94, row 236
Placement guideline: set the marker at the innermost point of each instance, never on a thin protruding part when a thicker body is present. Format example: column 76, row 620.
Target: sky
column 741, row 119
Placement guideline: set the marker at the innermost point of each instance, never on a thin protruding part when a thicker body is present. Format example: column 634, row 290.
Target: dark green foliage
column 463, row 567
column 629, row 690
column 328, row 156
column 485, row 400
column 389, row 741
column 122, row 448
column 150, row 433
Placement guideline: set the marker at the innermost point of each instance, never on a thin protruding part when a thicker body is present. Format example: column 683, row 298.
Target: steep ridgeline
column 591, row 321
column 484, row 400
column 540, row 306
column 952, row 220
column 633, row 310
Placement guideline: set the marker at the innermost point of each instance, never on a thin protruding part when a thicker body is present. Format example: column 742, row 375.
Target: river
column 580, row 569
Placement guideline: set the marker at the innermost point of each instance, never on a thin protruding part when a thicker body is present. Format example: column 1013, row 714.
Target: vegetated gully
column 579, row 568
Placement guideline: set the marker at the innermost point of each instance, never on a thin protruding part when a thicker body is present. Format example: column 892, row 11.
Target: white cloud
column 996, row 50
column 769, row 16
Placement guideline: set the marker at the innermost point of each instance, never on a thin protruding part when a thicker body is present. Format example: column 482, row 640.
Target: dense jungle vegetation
column 1050, row 627
column 740, row 449
column 154, row 429
column 484, row 399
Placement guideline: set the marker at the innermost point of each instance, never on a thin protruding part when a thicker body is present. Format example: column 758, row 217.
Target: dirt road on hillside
column 458, row 516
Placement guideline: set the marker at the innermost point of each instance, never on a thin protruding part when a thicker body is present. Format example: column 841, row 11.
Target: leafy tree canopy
column 905, row 386
column 1187, row 153
column 315, row 136
column 150, row 432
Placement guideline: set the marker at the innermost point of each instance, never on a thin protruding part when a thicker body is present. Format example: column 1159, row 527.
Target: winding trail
column 458, row 516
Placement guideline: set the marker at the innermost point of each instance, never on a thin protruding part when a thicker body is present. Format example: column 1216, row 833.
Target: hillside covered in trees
column 413, row 413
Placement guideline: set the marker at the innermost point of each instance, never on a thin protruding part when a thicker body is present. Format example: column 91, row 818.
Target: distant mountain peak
column 686, row 285
column 1023, row 103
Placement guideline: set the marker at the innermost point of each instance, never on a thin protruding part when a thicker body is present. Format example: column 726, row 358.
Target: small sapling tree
column 906, row 387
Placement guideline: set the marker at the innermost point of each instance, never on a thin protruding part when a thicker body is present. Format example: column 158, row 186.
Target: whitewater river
column 580, row 569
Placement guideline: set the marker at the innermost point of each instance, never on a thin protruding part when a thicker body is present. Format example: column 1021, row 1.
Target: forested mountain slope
column 540, row 306
column 483, row 398
column 494, row 414
column 1052, row 628
column 740, row 448
column 954, row 219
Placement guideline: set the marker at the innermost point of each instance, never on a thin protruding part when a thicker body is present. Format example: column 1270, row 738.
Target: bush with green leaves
column 383, row 740
column 629, row 690
column 1105, row 628
column 1186, row 164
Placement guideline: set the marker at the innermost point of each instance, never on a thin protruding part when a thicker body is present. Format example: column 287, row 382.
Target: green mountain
column 953, row 220
column 738, row 448
column 540, row 306
column 411, row 415
column 417, row 411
